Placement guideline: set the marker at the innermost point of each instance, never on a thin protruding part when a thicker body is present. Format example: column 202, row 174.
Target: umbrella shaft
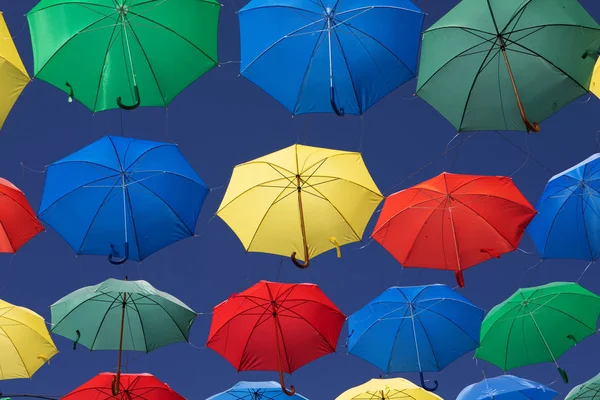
column 121, row 341
column 301, row 209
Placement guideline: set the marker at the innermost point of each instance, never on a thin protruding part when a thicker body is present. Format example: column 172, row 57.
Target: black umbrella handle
column 114, row 261
column 429, row 389
column 71, row 92
column 76, row 340
column 563, row 375
column 137, row 103
column 338, row 111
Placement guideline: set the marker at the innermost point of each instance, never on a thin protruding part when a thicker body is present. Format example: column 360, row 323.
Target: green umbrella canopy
column 589, row 390
column 91, row 316
column 101, row 50
column 469, row 55
column 538, row 324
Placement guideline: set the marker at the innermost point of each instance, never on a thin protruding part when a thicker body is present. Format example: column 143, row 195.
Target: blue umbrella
column 506, row 387
column 415, row 329
column 255, row 391
column 568, row 220
column 324, row 55
column 122, row 197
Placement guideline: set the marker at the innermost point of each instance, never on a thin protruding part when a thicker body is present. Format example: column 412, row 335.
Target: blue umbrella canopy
column 329, row 55
column 122, row 197
column 568, row 220
column 255, row 391
column 415, row 329
column 506, row 387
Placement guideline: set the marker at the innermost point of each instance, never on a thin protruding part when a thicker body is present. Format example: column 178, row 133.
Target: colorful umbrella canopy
column 121, row 196
column 13, row 75
column 254, row 391
column 595, row 82
column 300, row 199
column 329, row 55
column 507, row 387
column 453, row 222
column 550, row 320
column 122, row 315
column 132, row 386
column 387, row 389
column 25, row 343
column 508, row 63
column 589, row 390
column 275, row 327
column 568, row 220
column 415, row 328
column 118, row 53
column 18, row 222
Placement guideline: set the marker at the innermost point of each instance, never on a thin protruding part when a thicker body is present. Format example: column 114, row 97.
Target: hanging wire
column 526, row 158
column 524, row 152
column 584, row 271
column 20, row 30
column 529, row 269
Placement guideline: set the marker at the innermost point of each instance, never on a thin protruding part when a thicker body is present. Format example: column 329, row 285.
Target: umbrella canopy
column 453, row 221
column 25, row 343
column 415, row 328
column 507, row 387
column 589, row 390
column 254, row 391
column 13, row 75
column 329, row 55
column 300, row 200
column 275, row 327
column 133, row 386
column 18, row 222
column 551, row 319
column 121, row 196
column 509, row 63
column 119, row 53
column 568, row 220
column 387, row 389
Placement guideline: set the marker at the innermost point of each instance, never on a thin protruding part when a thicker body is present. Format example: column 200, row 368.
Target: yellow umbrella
column 595, row 83
column 13, row 75
column 300, row 199
column 25, row 343
column 387, row 389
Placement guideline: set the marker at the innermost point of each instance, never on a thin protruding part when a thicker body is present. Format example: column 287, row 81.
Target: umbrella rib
column 141, row 324
column 593, row 329
column 343, row 53
column 345, row 180
column 345, row 153
column 111, row 43
column 250, row 337
column 161, row 172
column 76, row 307
column 84, row 162
column 552, row 26
column 555, row 218
column 437, row 363
column 146, row 153
column 280, row 6
column 170, row 316
column 305, row 300
column 154, row 1
column 369, row 8
column 449, row 320
column 238, row 315
column 108, row 309
column 18, row 353
column 510, row 329
column 278, row 328
column 309, row 323
column 389, row 223
column 274, row 166
column 80, row 3
column 338, row 211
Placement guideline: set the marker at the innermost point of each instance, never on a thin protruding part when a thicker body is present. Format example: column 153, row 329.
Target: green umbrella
column 106, row 53
column 538, row 325
column 491, row 64
column 589, row 390
column 121, row 315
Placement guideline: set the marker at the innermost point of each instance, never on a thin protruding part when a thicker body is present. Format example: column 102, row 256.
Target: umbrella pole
column 281, row 380
column 303, row 229
column 535, row 127
column 382, row 395
column 562, row 372
column 116, row 381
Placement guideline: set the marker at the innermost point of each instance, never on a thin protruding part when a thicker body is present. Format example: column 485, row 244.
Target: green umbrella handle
column 113, row 261
column 137, row 103
column 76, row 340
column 71, row 92
column 589, row 53
column 338, row 111
column 563, row 375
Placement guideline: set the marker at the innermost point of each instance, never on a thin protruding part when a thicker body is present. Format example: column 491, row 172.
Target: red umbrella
column 453, row 222
column 132, row 386
column 18, row 222
column 275, row 327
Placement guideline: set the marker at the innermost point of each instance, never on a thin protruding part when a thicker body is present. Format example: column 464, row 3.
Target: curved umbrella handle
column 71, row 92
column 137, row 103
column 306, row 259
column 429, row 389
column 76, row 340
column 460, row 279
column 338, row 111
column 291, row 391
column 122, row 260
column 114, row 386
column 563, row 375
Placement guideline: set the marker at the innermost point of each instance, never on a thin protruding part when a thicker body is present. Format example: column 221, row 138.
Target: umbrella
column 550, row 320
column 498, row 65
column 275, row 327
column 387, row 389
column 594, row 84
column 300, row 199
column 253, row 391
column 122, row 196
column 120, row 53
column 121, row 315
column 415, row 328
column 13, row 75
column 507, row 387
column 453, row 222
column 568, row 220
column 329, row 55
column 132, row 386
column 589, row 390
column 18, row 222
column 25, row 343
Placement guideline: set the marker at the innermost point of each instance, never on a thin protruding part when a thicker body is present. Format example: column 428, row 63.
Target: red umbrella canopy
column 453, row 221
column 275, row 327
column 18, row 222
column 132, row 386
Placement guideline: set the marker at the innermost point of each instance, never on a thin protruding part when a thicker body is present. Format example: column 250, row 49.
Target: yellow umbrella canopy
column 387, row 389
column 300, row 200
column 595, row 83
column 13, row 75
column 25, row 343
